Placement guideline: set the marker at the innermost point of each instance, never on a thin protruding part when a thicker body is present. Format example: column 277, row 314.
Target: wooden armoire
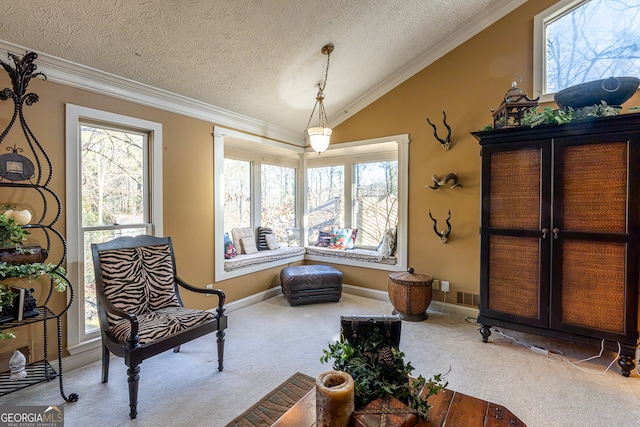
column 559, row 232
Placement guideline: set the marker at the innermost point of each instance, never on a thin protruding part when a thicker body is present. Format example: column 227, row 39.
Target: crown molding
column 82, row 77
column 473, row 27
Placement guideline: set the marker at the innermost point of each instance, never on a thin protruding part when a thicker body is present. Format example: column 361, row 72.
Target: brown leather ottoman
column 309, row 284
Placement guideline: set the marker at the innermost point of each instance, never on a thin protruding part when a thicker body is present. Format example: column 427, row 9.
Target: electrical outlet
column 209, row 286
column 435, row 285
column 444, row 286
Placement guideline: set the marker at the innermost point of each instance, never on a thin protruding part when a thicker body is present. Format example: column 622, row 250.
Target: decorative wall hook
column 437, row 181
column 446, row 143
column 443, row 235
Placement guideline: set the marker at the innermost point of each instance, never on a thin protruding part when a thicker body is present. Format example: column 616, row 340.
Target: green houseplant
column 379, row 369
column 12, row 235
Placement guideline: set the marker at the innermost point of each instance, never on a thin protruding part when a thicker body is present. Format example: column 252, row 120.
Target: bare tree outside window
column 595, row 40
column 237, row 194
column 113, row 196
column 376, row 200
column 325, row 195
column 278, row 199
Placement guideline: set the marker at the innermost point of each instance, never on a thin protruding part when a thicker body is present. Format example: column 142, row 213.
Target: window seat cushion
column 262, row 257
column 367, row 255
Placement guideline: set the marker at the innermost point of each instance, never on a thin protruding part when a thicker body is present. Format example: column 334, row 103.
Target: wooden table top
column 449, row 408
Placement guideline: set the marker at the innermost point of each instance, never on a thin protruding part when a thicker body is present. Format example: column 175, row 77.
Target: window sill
column 252, row 263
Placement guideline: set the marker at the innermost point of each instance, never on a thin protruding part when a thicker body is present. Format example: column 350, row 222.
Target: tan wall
column 466, row 83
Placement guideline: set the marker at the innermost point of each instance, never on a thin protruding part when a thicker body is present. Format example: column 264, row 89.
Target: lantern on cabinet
column 509, row 113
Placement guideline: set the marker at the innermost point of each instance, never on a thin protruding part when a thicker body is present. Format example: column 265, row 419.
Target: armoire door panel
column 593, row 188
column 514, row 273
column 515, row 195
column 593, row 288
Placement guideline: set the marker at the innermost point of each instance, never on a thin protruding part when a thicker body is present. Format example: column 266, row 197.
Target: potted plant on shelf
column 17, row 257
column 12, row 235
column 380, row 372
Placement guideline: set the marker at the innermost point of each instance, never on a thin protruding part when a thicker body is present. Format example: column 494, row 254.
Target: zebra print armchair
column 139, row 306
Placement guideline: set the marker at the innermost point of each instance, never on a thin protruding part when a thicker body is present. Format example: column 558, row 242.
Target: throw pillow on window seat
column 352, row 242
column 324, row 239
column 262, row 233
column 229, row 247
column 341, row 238
column 272, row 242
column 237, row 234
column 386, row 247
column 249, row 245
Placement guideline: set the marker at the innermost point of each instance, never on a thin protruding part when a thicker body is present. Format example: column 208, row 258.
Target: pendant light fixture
column 320, row 135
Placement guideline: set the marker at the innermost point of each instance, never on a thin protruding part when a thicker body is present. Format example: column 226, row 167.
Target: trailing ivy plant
column 6, row 297
column 378, row 369
column 33, row 271
column 11, row 233
column 548, row 116
column 532, row 117
column 6, row 301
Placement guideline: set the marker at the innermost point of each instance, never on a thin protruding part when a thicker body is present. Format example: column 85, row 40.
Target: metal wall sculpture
column 438, row 182
column 443, row 235
column 446, row 142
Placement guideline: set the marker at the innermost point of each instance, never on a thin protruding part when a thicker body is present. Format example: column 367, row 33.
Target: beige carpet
column 275, row 404
column 269, row 341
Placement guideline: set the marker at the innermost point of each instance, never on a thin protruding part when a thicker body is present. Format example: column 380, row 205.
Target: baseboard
column 252, row 299
column 443, row 307
column 74, row 361
column 456, row 309
column 366, row 292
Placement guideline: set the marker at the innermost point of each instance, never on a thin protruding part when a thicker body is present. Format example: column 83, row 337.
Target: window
column 278, row 199
column 361, row 184
column 583, row 40
column 237, row 194
column 376, row 200
column 113, row 164
column 349, row 188
column 255, row 184
column 325, row 197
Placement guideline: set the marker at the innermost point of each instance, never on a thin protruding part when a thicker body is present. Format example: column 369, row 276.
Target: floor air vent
column 467, row 298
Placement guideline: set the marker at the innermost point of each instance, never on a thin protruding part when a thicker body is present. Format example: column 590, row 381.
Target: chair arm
column 112, row 309
column 218, row 292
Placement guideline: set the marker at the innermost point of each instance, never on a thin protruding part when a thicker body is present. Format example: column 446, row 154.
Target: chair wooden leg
column 220, row 341
column 176, row 349
column 105, row 363
column 133, row 381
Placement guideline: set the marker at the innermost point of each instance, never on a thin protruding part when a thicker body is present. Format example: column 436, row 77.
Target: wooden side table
column 448, row 406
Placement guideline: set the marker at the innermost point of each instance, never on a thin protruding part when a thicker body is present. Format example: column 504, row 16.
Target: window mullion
column 349, row 185
column 256, row 194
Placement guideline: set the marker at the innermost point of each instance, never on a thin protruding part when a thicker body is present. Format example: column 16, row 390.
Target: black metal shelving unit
column 28, row 167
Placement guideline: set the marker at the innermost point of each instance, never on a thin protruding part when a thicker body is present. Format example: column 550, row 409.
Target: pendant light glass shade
column 319, row 138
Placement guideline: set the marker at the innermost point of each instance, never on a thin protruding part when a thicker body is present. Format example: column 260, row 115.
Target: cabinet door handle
column 545, row 231
column 556, row 231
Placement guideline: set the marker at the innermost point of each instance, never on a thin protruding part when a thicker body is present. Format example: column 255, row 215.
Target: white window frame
column 78, row 342
column 348, row 160
column 539, row 44
column 219, row 134
column 219, row 153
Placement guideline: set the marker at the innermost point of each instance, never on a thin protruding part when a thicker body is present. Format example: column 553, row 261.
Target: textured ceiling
column 258, row 58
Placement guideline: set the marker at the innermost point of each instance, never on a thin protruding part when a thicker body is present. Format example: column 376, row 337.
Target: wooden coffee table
column 450, row 407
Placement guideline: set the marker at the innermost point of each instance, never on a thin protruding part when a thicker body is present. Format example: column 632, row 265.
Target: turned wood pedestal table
column 449, row 408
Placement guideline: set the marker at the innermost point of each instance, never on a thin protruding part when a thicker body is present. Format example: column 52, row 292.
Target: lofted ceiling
column 256, row 58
